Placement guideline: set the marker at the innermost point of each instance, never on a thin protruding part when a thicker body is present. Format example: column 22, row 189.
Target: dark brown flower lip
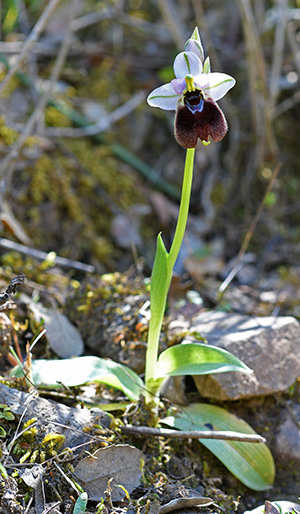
column 209, row 123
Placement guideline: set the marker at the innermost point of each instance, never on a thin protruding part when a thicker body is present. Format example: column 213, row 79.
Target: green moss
column 15, row 263
column 10, row 86
column 8, row 136
column 55, row 118
column 107, row 312
column 106, row 79
column 72, row 195
column 29, row 447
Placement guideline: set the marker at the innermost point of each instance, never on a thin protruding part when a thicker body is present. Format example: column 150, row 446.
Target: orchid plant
column 193, row 95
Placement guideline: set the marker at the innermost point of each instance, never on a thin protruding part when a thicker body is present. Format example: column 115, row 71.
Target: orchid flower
column 193, row 94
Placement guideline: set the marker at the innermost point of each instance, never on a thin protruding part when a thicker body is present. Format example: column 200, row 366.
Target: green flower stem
column 160, row 282
column 183, row 209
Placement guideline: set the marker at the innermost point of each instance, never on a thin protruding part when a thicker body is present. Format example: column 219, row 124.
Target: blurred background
column 90, row 172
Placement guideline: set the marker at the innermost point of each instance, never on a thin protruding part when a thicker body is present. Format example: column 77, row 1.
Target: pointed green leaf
column 160, row 282
column 197, row 359
column 251, row 463
column 78, row 371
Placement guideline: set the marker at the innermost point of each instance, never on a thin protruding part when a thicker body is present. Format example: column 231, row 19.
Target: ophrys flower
column 193, row 94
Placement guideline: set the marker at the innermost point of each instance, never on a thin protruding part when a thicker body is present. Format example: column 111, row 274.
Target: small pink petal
column 178, row 85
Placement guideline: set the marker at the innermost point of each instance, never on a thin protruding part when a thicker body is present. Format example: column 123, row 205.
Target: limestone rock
column 287, row 440
column 54, row 417
column 174, row 390
column 268, row 345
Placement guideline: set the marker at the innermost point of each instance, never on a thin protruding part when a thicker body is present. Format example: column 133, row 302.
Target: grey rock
column 174, row 390
column 287, row 440
column 54, row 417
column 269, row 345
column 280, row 506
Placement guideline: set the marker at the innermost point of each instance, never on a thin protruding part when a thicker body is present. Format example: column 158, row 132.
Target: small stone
column 287, row 442
column 269, row 345
column 280, row 505
column 174, row 390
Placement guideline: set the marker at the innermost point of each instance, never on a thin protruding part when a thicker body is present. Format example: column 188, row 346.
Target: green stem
column 161, row 279
column 183, row 209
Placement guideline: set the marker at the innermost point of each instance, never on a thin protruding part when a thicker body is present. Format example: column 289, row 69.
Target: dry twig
column 103, row 124
column 6, row 165
column 41, row 256
column 257, row 74
column 32, row 38
column 238, row 263
column 185, row 503
column 278, row 52
column 193, row 434
column 173, row 22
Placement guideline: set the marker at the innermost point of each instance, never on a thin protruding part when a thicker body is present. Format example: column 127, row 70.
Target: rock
column 174, row 390
column 268, row 345
column 278, row 505
column 287, row 440
column 54, row 417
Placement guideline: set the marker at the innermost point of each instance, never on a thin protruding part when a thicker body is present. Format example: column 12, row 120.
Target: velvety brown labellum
column 189, row 126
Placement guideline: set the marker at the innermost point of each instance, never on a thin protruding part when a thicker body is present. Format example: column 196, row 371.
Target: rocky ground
column 268, row 400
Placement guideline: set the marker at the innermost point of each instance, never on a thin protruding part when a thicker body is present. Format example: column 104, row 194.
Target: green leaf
column 197, row 359
column 81, row 503
column 78, row 371
column 160, row 282
column 251, row 463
